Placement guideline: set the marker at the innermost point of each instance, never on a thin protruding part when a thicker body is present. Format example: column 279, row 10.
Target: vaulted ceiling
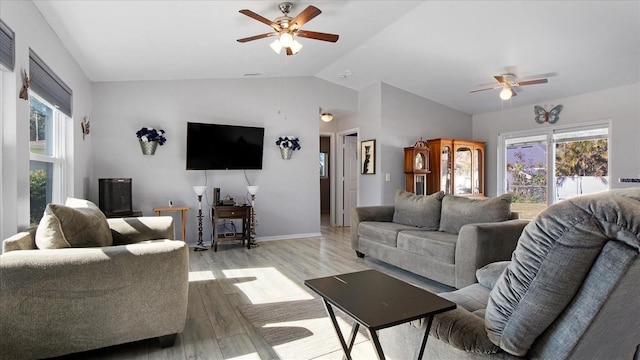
column 440, row 50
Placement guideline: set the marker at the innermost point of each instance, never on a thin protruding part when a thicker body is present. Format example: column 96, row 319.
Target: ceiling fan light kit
column 287, row 29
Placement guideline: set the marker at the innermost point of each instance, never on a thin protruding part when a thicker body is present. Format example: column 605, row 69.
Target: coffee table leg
column 423, row 344
column 352, row 337
column 373, row 335
column 332, row 316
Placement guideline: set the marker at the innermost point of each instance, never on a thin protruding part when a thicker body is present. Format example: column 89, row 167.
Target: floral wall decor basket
column 287, row 144
column 149, row 139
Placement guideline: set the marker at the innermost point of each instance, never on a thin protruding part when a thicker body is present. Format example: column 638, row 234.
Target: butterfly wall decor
column 86, row 127
column 543, row 116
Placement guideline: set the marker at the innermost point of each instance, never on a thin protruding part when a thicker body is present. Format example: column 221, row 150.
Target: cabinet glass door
column 462, row 171
column 477, row 172
column 445, row 170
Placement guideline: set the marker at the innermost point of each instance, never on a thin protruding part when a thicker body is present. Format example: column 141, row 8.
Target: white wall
column 288, row 201
column 32, row 31
column 621, row 105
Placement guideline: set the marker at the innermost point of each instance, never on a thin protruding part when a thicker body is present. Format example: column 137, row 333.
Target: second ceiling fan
column 508, row 82
column 288, row 28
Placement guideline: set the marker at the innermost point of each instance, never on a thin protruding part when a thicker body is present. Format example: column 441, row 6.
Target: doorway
column 346, row 179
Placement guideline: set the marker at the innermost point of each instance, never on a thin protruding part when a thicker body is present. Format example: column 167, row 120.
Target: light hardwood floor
column 223, row 280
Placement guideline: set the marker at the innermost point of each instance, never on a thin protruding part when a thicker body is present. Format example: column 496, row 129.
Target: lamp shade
column 326, row 117
column 505, row 94
column 199, row 190
column 285, row 39
column 253, row 189
column 276, row 46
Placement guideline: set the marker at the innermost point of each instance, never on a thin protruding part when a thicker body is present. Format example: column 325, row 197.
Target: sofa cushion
column 554, row 256
column 79, row 223
column 488, row 275
column 435, row 245
column 422, row 211
column 383, row 232
column 458, row 211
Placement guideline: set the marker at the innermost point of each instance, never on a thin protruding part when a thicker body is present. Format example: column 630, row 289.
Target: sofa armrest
column 135, row 229
column 101, row 296
column 481, row 244
column 25, row 240
column 368, row 213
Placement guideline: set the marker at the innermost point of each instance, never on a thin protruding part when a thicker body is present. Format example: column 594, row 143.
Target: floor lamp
column 253, row 190
column 199, row 190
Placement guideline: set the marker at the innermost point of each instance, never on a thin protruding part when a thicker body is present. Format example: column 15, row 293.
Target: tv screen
column 224, row 147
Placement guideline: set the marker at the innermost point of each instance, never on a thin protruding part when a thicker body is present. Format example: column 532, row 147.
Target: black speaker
column 216, row 196
column 115, row 197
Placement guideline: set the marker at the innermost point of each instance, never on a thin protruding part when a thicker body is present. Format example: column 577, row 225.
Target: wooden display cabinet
column 416, row 167
column 457, row 167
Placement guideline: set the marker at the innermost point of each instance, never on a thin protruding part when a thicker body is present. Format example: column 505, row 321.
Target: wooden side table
column 183, row 210
column 231, row 212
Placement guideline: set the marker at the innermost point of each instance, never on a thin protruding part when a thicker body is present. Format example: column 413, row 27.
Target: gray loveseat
column 79, row 296
column 570, row 292
column 442, row 237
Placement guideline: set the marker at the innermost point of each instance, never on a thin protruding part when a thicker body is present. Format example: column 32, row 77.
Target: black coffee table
column 377, row 301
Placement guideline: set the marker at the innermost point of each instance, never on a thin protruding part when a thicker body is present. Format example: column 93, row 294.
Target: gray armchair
column 570, row 291
column 60, row 301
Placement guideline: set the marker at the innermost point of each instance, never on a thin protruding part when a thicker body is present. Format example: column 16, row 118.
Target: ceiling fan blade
column 260, row 18
column 289, row 51
column 318, row 35
column 307, row 14
column 501, row 79
column 256, row 37
column 532, row 82
column 513, row 92
column 491, row 88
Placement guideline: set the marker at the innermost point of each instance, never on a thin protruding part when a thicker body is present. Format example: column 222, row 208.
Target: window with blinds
column 48, row 85
column 7, row 47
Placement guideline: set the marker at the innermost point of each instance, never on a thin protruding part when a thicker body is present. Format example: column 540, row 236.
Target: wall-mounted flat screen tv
column 224, row 147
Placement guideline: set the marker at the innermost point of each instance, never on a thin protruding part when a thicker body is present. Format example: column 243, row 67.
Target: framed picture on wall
column 368, row 157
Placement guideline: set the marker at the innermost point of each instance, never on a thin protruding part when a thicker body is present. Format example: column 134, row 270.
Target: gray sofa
column 442, row 237
column 57, row 301
column 570, row 291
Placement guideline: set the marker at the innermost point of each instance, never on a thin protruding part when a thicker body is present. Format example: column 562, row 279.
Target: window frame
column 58, row 158
column 548, row 134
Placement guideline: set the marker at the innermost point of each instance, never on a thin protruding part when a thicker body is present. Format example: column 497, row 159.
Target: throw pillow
column 79, row 223
column 418, row 210
column 488, row 275
column 458, row 211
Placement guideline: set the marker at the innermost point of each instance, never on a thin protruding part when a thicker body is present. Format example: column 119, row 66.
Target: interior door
column 350, row 182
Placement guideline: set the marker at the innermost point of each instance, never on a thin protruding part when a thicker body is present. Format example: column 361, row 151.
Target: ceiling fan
column 288, row 28
column 508, row 82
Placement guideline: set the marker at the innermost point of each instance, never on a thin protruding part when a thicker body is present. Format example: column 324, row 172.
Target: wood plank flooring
column 221, row 281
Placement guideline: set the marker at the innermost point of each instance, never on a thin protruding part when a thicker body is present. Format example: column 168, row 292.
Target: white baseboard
column 284, row 237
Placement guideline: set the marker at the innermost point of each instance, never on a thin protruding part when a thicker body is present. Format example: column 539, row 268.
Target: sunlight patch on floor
column 201, row 276
column 269, row 285
column 252, row 356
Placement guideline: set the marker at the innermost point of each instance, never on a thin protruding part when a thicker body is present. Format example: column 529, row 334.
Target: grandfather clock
column 416, row 167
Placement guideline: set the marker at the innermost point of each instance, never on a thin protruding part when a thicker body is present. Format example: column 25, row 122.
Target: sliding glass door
column 545, row 166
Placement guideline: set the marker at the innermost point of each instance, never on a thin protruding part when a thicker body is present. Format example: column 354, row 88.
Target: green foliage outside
column 582, row 158
column 573, row 159
column 38, row 189
column 529, row 184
